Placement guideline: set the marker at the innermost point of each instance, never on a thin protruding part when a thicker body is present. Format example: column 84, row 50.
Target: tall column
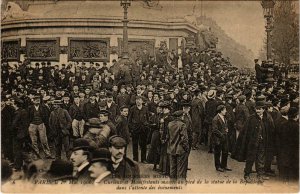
column 125, row 4
column 269, row 43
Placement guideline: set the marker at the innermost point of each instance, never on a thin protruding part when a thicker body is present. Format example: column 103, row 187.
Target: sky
column 241, row 20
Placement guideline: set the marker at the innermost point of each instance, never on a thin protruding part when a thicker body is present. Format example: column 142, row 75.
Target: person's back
column 178, row 138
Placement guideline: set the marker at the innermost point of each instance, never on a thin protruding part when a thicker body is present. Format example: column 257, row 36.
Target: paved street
column 202, row 177
column 202, row 168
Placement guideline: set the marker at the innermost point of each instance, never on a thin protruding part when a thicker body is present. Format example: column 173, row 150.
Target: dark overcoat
column 197, row 114
column 247, row 142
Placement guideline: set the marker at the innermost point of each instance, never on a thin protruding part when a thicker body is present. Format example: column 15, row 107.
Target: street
column 204, row 176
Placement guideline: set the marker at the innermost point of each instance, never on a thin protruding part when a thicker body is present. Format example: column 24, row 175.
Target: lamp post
column 125, row 4
column 268, row 6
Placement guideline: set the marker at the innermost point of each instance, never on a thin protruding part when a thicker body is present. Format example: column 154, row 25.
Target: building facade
column 72, row 31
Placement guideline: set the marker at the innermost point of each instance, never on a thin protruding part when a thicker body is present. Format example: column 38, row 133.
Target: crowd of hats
column 216, row 76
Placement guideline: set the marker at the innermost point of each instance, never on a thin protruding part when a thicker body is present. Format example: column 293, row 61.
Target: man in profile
column 99, row 169
column 80, row 159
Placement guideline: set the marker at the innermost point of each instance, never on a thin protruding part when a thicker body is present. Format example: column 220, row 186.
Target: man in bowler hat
column 80, row 159
column 99, row 169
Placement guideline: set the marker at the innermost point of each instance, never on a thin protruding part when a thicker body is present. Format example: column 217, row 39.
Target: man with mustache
column 80, row 159
column 122, row 167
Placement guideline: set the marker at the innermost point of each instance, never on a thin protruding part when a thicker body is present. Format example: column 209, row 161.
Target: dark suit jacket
column 260, row 71
column 218, row 130
column 20, row 124
column 197, row 114
column 122, row 128
column 127, row 169
column 241, row 115
column 178, row 142
column 44, row 112
column 123, row 99
column 113, row 111
column 83, row 176
column 60, row 122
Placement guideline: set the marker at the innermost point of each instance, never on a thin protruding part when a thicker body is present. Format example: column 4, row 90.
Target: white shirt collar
column 109, row 104
column 102, row 176
column 222, row 117
column 82, row 166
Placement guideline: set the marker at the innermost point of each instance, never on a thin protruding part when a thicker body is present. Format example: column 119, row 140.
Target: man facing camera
column 220, row 139
column 122, row 167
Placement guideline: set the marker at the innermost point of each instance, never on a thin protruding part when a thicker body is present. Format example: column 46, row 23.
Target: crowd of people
column 84, row 116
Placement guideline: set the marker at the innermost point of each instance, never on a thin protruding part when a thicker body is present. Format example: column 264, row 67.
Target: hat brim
column 81, row 148
column 101, row 160
column 93, row 125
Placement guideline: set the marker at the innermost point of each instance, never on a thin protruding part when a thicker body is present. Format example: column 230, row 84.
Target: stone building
column 63, row 31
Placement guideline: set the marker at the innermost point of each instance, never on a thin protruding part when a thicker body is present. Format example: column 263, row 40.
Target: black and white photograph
column 149, row 96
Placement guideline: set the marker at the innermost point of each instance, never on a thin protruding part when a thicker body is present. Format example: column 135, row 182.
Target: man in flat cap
column 178, row 147
column 220, row 139
column 99, row 168
column 80, row 159
column 60, row 124
column 122, row 167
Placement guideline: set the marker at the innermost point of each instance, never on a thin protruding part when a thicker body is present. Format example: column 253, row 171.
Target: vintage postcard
column 149, row 96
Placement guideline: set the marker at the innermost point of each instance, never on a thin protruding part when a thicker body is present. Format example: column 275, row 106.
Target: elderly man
column 80, row 159
column 122, row 167
column 99, row 169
